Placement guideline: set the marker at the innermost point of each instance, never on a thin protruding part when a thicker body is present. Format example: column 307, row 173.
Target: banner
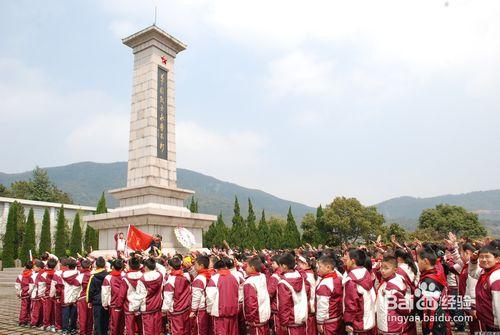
column 137, row 239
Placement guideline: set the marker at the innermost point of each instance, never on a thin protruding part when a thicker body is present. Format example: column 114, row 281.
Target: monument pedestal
column 151, row 201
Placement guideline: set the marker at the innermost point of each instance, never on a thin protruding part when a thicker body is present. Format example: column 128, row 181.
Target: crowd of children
column 380, row 289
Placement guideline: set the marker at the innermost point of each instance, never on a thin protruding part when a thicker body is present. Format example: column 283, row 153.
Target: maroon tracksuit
column 201, row 323
column 272, row 288
column 149, row 289
column 393, row 306
column 256, row 304
column 37, row 296
column 48, row 301
column 488, row 298
column 131, row 302
column 177, row 302
column 113, row 300
column 292, row 303
column 359, row 300
column 24, row 287
column 223, row 302
column 329, row 294
column 56, row 292
column 85, row 317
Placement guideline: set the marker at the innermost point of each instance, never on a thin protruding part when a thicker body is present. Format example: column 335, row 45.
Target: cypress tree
column 91, row 240
column 275, row 237
column 45, row 236
column 263, row 232
column 20, row 225
column 193, row 207
column 238, row 231
column 76, row 236
column 29, row 238
column 252, row 232
column 60, row 239
column 291, row 235
column 221, row 231
column 9, row 239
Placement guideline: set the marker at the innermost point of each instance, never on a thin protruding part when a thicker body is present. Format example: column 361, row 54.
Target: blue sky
column 305, row 100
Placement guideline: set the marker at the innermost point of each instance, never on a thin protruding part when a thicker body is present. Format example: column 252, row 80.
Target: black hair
column 71, row 263
column 407, row 259
column 85, row 264
column 28, row 265
column 100, row 262
column 256, row 263
column 360, row 258
column 150, row 263
column 327, row 260
column 39, row 264
column 468, row 247
column 45, row 256
column 203, row 260
column 287, row 260
column 489, row 249
column 219, row 265
column 229, row 262
column 118, row 264
column 134, row 263
column 175, row 263
column 429, row 254
column 275, row 258
column 51, row 263
column 390, row 259
column 495, row 244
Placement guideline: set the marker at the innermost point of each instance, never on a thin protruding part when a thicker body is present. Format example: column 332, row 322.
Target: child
column 329, row 293
column 149, row 292
column 24, row 286
column 119, row 245
column 305, row 269
column 38, row 294
column 177, row 299
column 431, row 294
column 257, row 307
column 111, row 299
column 93, row 297
column 222, row 300
column 49, row 301
column 198, row 303
column 69, row 297
column 487, row 287
column 467, row 285
column 359, row 293
column 272, row 288
column 85, row 321
column 292, row 298
column 393, row 300
column 131, row 300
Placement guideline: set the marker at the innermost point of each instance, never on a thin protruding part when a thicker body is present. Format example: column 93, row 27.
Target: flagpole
column 126, row 244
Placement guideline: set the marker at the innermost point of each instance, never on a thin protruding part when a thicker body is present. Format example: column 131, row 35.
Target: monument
column 151, row 200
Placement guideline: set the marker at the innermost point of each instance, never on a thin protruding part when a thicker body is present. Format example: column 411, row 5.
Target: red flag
column 137, row 239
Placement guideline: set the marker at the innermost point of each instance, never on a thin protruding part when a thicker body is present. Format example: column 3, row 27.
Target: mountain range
column 85, row 181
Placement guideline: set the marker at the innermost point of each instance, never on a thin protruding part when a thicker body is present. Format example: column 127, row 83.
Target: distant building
column 39, row 209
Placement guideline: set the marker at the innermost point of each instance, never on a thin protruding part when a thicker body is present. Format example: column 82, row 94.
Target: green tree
column 263, row 232
column 276, row 228
column 45, row 235
column 309, row 229
column 29, row 238
column 10, row 246
column 61, row 235
column 41, row 188
column 445, row 218
column 396, row 230
column 76, row 236
column 20, row 224
column 20, row 190
column 252, row 232
column 91, row 239
column 193, row 206
column 238, row 229
column 4, row 191
column 346, row 220
column 291, row 234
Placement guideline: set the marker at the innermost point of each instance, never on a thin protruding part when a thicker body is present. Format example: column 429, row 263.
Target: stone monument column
column 151, row 200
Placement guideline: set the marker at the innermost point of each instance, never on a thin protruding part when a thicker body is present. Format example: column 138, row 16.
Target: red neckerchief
column 330, row 275
column 27, row 273
column 130, row 271
column 434, row 275
column 485, row 276
column 64, row 268
column 254, row 274
column 224, row 272
column 84, row 270
column 465, row 268
column 178, row 273
column 115, row 273
column 206, row 273
column 50, row 271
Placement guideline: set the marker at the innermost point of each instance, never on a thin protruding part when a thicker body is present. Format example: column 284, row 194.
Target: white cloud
column 219, row 154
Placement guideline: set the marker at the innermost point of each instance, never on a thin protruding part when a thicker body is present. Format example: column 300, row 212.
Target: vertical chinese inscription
column 162, row 114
